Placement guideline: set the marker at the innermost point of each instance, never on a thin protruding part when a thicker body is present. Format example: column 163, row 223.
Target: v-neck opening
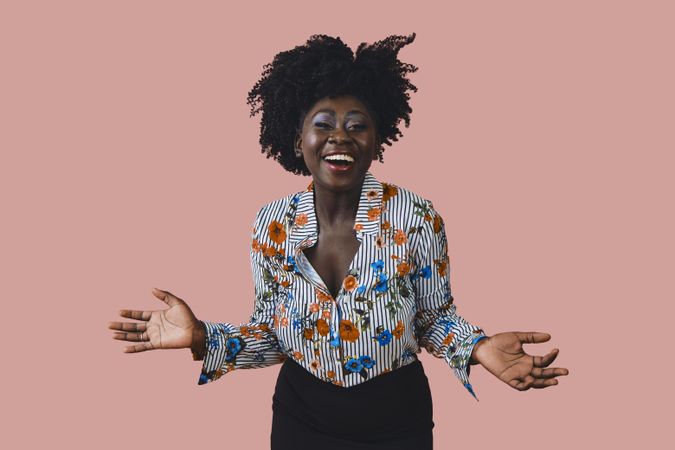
column 314, row 274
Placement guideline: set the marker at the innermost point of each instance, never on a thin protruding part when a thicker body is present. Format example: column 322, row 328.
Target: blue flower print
column 354, row 365
column 426, row 272
column 290, row 262
column 381, row 285
column 414, row 276
column 367, row 362
column 361, row 289
column 233, row 347
column 384, row 338
column 334, row 339
column 377, row 265
column 297, row 323
column 213, row 343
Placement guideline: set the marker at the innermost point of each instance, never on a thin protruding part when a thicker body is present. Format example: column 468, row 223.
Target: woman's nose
column 339, row 135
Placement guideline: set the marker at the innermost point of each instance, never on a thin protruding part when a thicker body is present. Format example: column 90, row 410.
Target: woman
column 351, row 275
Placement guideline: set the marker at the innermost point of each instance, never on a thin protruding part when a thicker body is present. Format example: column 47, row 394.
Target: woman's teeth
column 340, row 158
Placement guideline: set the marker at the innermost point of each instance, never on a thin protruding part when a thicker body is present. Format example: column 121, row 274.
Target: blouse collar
column 301, row 216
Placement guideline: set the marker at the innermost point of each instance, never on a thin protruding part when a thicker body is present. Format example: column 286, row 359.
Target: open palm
column 504, row 357
column 168, row 328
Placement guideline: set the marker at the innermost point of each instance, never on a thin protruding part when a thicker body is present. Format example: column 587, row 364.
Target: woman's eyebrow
column 353, row 112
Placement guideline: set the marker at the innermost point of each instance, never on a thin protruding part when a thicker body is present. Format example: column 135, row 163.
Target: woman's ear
column 298, row 146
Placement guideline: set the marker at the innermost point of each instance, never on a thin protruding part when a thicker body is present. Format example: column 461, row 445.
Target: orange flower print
column 358, row 227
column 388, row 191
column 264, row 327
column 385, row 225
column 315, row 364
column 448, row 339
column 337, row 383
column 284, row 321
column 310, row 186
column 374, row 213
column 400, row 237
column 244, row 330
column 398, row 331
column 275, row 320
column 270, row 251
column 277, row 232
column 308, row 334
column 330, row 374
column 322, row 296
column 257, row 335
column 395, row 257
column 314, row 307
column 350, row 283
column 326, row 314
column 255, row 245
column 438, row 224
column 441, row 268
column 427, row 216
column 301, row 219
column 372, row 195
column 348, row 331
column 402, row 268
column 379, row 241
column 285, row 283
column 322, row 327
column 298, row 356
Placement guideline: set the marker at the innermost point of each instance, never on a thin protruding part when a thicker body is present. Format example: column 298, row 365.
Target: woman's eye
column 322, row 125
column 358, row 126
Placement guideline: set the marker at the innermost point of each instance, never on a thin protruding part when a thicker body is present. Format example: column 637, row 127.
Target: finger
column 522, row 385
column 532, row 337
column 549, row 373
column 543, row 361
column 166, row 297
column 133, row 337
column 139, row 348
column 540, row 384
column 134, row 314
column 128, row 326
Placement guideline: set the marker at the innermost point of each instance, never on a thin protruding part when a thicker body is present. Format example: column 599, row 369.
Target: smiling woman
column 324, row 66
column 351, row 274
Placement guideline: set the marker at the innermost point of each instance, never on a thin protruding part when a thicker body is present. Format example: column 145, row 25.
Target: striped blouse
column 394, row 300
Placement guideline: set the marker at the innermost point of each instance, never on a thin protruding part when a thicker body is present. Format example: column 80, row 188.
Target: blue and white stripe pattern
column 395, row 298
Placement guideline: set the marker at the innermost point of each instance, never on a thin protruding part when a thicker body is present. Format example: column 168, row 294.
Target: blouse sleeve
column 252, row 344
column 438, row 328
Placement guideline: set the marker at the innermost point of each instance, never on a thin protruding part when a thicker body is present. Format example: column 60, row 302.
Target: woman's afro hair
column 325, row 67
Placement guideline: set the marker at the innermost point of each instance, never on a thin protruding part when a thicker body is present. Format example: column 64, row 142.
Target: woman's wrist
column 475, row 357
column 198, row 347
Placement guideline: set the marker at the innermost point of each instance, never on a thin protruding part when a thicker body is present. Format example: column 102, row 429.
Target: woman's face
column 338, row 142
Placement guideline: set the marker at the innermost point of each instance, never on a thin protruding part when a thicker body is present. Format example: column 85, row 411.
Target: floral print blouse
column 394, row 300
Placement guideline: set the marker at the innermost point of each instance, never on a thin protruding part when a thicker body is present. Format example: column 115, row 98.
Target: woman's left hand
column 504, row 357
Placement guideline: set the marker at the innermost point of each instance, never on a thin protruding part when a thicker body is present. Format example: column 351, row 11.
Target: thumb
column 532, row 337
column 166, row 297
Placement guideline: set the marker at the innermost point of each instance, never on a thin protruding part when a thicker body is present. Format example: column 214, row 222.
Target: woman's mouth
column 339, row 162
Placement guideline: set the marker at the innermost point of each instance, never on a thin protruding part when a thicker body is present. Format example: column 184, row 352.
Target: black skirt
column 391, row 411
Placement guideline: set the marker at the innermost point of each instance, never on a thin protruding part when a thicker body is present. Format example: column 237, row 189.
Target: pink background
column 542, row 132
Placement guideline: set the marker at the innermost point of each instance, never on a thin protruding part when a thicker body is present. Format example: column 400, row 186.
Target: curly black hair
column 325, row 67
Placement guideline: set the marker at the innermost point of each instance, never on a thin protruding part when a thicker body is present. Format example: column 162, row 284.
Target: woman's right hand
column 175, row 327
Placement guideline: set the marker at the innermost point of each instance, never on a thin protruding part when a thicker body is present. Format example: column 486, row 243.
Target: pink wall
column 542, row 131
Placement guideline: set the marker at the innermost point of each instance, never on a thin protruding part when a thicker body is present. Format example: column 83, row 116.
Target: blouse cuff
column 222, row 345
column 459, row 360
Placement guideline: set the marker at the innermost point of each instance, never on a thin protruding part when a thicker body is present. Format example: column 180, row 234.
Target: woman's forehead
column 343, row 104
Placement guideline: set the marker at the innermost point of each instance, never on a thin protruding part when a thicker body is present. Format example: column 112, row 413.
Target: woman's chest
column 331, row 257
